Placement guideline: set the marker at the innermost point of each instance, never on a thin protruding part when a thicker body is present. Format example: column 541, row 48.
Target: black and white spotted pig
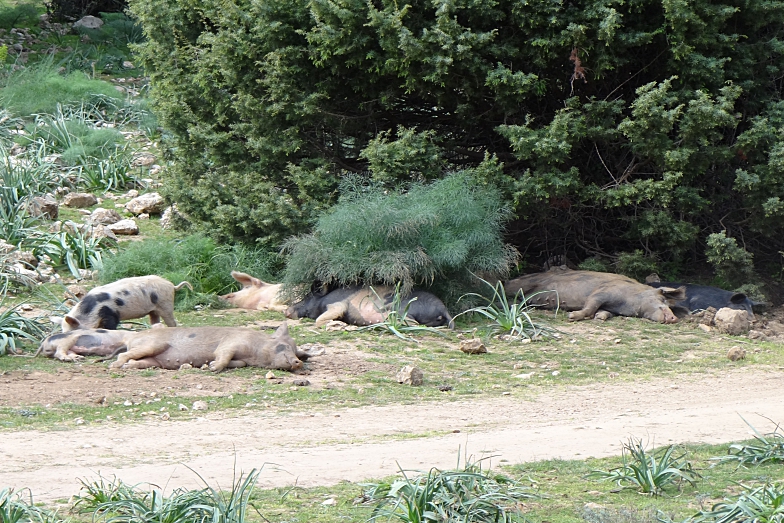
column 106, row 306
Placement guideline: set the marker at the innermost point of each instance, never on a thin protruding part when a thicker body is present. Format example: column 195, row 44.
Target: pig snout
column 292, row 313
column 665, row 315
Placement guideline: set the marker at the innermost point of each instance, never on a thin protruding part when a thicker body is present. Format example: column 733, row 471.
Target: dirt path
column 323, row 448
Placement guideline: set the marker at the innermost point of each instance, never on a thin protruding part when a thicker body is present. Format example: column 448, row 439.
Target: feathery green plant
column 469, row 494
column 649, row 472
column 510, row 318
column 432, row 235
column 769, row 448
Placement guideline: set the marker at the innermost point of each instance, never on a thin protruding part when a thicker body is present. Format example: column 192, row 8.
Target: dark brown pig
column 106, row 306
column 255, row 294
column 366, row 306
column 75, row 345
column 219, row 347
column 585, row 293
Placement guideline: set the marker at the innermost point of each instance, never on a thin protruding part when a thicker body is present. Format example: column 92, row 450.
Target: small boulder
column 79, row 200
column 707, row 316
column 473, row 346
column 124, row 227
column 736, row 353
column 88, row 22
column 199, row 405
column 143, row 160
column 150, row 203
column 102, row 231
column 731, row 321
column 77, row 291
column 104, row 216
column 44, row 207
column 410, row 375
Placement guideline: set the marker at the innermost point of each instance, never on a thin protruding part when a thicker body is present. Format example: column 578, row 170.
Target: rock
column 652, row 278
column 76, row 291
column 102, row 231
column 6, row 247
column 736, row 353
column 757, row 335
column 707, row 316
column 731, row 321
column 181, row 406
column 133, row 193
column 24, row 258
column 44, row 206
column 270, row 375
column 168, row 216
column 124, row 227
column 150, row 203
column 127, row 65
column 410, row 375
column 143, row 160
column 301, row 383
column 88, row 22
column 104, row 216
column 473, row 346
column 79, row 200
column 199, row 405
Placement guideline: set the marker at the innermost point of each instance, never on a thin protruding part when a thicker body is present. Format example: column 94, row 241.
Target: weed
column 764, row 504
column 513, row 319
column 769, row 448
column 74, row 249
column 468, row 494
column 101, row 492
column 14, row 326
column 648, row 472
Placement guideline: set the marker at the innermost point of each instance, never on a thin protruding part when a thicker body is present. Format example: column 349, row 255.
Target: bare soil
column 330, row 445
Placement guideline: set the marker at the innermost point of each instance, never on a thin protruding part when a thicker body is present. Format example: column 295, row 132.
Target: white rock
column 199, row 405
column 88, row 22
column 731, row 321
column 124, row 227
column 150, row 203
column 410, row 375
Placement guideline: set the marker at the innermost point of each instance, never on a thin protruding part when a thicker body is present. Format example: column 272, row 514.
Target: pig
column 362, row 306
column 75, row 345
column 106, row 306
column 255, row 294
column 587, row 293
column 700, row 297
column 219, row 347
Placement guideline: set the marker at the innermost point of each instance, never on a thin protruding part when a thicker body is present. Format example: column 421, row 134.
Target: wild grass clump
column 18, row 508
column 467, row 494
column 430, row 235
column 512, row 319
column 40, row 88
column 649, row 472
column 197, row 259
column 763, row 504
column 396, row 320
column 769, row 448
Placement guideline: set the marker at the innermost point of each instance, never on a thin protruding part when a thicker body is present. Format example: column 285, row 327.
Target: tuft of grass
column 15, row 327
column 769, row 448
column 513, row 318
column 648, row 472
column 40, row 88
column 467, row 494
column 763, row 504
column 396, row 320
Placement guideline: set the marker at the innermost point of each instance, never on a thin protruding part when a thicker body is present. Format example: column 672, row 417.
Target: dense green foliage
column 431, row 234
column 619, row 126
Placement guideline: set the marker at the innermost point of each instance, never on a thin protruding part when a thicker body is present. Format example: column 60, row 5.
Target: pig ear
column 673, row 294
column 738, row 297
column 244, row 279
column 70, row 320
column 281, row 331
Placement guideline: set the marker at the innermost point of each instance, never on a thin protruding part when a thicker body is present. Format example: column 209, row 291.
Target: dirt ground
column 332, row 444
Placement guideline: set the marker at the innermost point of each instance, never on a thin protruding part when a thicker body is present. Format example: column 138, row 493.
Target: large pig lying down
column 362, row 306
column 106, row 306
column 219, row 347
column 75, row 345
column 588, row 294
column 255, row 294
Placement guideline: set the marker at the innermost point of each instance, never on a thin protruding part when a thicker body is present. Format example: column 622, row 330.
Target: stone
column 410, row 375
column 150, row 203
column 144, row 160
column 707, row 316
column 104, row 216
column 88, row 22
column 102, row 231
column 731, row 321
column 6, row 247
column 199, row 405
column 301, row 383
column 77, row 291
column 79, row 200
column 168, row 216
column 124, row 227
column 736, row 353
column 44, row 206
column 24, row 258
column 757, row 335
column 473, row 346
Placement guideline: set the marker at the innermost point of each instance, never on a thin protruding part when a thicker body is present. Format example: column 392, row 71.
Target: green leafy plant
column 396, row 318
column 769, row 448
column 733, row 264
column 101, row 492
column 763, row 504
column 74, row 250
column 510, row 318
column 470, row 494
column 648, row 472
column 15, row 327
column 14, row 508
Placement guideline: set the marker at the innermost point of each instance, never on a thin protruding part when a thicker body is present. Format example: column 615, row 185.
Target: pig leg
column 236, row 364
column 144, row 363
column 168, row 318
column 224, row 353
column 592, row 305
column 603, row 315
column 67, row 355
column 334, row 311
column 155, row 318
column 139, row 352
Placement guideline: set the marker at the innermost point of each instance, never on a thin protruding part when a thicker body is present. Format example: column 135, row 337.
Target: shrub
column 635, row 265
column 430, row 235
column 17, row 15
column 764, row 504
column 733, row 264
column 71, row 10
column 768, row 448
column 617, row 127
column 40, row 88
